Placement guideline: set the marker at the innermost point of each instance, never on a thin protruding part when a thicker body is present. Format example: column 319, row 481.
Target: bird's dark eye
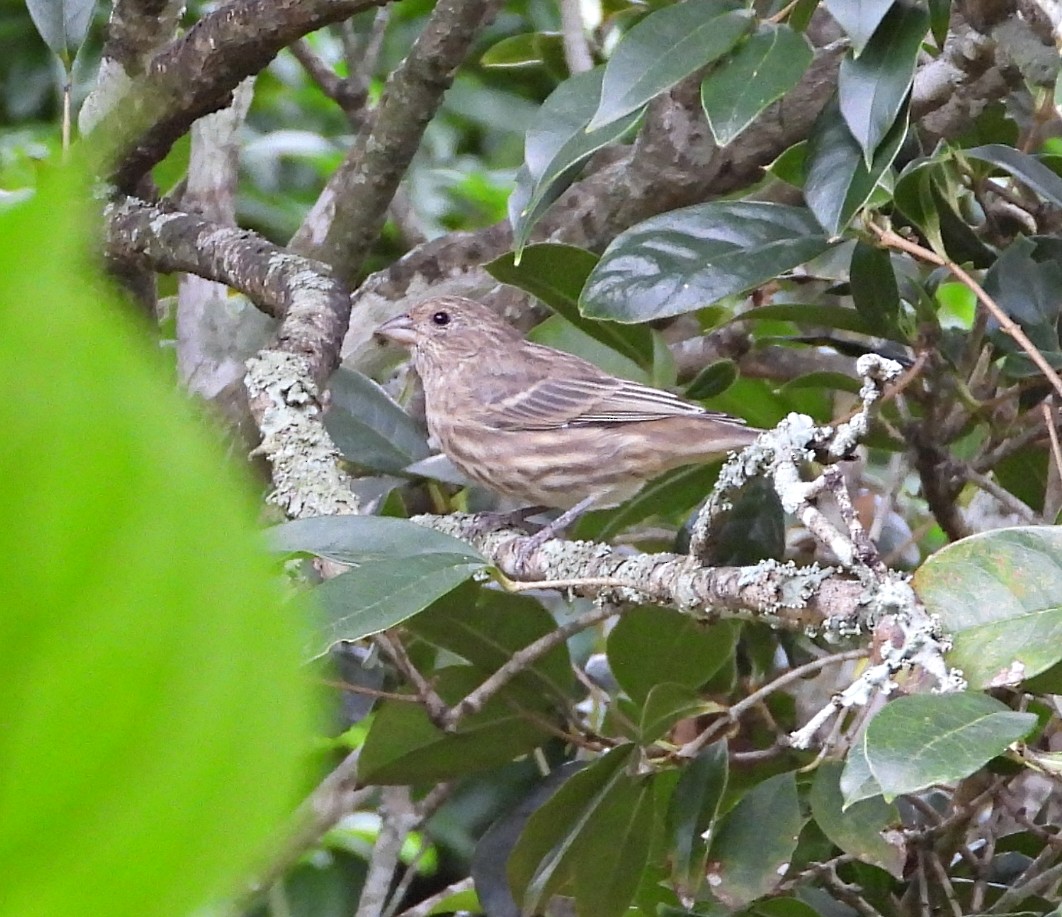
column 441, row 318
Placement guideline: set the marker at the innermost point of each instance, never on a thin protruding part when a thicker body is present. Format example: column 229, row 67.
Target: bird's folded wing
column 556, row 403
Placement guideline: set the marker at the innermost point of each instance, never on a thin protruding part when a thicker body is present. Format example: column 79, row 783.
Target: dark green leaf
column 672, row 493
column 379, row 594
column 999, row 594
column 753, row 529
column 404, row 746
column 362, row 539
column 613, row 848
column 873, row 86
column 650, row 645
column 859, row 829
column 713, row 380
column 859, row 18
column 369, row 427
column 923, row 739
column 487, row 627
column 63, row 24
column 747, row 862
column 928, row 194
column 664, row 48
column 791, row 166
column 823, row 380
column 665, row 705
column 1022, row 166
column 838, row 181
column 556, row 274
column 542, row 859
column 556, row 147
column 693, row 808
column 760, row 71
column 940, row 18
column 490, row 861
column 1030, row 292
column 691, row 258
column 875, row 293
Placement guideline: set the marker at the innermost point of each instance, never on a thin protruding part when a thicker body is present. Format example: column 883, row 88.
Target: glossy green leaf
column 693, row 257
column 923, row 739
column 664, row 48
column 487, row 627
column 379, row 594
column 154, row 708
column 859, row 18
column 999, row 595
column 542, row 859
column 875, row 293
column 364, row 539
column 838, row 181
column 745, row 861
column 759, row 72
column 556, row 147
column 1022, row 166
column 369, row 427
column 873, row 86
column 555, row 274
column 63, row 24
column 651, row 645
column 692, row 810
column 404, row 746
column 868, row 830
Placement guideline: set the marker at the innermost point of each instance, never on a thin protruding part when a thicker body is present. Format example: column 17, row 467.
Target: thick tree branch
column 197, row 74
column 278, row 282
column 347, row 217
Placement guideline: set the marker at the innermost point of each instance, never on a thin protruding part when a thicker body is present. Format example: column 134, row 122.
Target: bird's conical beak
column 398, row 329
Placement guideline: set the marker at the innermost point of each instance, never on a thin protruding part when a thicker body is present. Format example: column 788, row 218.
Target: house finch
column 542, row 425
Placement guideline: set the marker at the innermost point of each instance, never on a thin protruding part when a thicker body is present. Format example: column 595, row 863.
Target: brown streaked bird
column 542, row 425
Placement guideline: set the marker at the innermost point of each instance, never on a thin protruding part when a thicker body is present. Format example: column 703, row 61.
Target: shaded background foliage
column 737, row 204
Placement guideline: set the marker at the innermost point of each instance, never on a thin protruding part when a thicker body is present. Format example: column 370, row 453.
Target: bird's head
column 448, row 327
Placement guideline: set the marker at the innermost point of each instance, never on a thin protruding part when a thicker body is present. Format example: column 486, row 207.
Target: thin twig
column 1048, row 409
column 738, row 710
column 434, row 706
column 1004, row 496
column 891, row 239
column 425, row 907
column 521, row 659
